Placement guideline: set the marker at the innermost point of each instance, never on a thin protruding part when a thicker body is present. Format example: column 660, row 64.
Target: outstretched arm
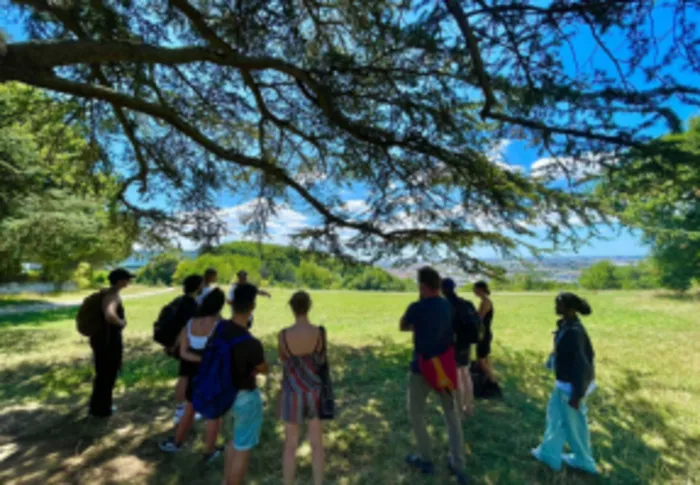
column 264, row 293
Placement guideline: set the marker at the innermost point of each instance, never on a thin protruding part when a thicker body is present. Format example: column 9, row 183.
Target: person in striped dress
column 301, row 349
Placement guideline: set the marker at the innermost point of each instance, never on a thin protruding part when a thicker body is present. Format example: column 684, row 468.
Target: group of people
column 436, row 322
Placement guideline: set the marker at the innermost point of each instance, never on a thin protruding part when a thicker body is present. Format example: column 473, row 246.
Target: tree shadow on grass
column 633, row 440
column 55, row 443
column 10, row 301
column 35, row 318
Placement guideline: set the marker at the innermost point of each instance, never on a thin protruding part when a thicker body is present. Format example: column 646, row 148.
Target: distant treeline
column 602, row 275
column 272, row 265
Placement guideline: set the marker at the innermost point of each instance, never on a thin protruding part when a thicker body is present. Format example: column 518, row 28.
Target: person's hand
column 574, row 403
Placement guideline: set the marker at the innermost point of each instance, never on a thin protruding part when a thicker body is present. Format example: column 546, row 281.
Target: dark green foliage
column 600, row 276
column 273, row 265
column 54, row 203
column 160, row 269
column 317, row 277
column 376, row 279
column 641, row 276
column 604, row 275
column 530, row 281
column 661, row 197
column 227, row 265
column 300, row 100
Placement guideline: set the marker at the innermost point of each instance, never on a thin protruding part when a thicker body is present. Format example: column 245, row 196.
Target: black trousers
column 107, row 349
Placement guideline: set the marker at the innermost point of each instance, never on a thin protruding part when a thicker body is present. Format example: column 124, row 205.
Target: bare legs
column 317, row 453
column 183, row 429
column 180, row 390
column 236, row 465
column 466, row 391
column 292, row 433
column 291, row 443
column 185, row 424
column 485, row 365
column 212, row 433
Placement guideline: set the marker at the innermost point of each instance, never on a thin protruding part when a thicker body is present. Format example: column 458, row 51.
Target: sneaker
column 179, row 413
column 418, row 464
column 458, row 473
column 209, row 458
column 169, row 446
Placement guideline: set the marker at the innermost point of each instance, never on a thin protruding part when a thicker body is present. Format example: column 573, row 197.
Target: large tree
column 406, row 99
column 660, row 196
column 56, row 202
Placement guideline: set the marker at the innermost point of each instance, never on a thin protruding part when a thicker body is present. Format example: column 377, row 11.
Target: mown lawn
column 645, row 415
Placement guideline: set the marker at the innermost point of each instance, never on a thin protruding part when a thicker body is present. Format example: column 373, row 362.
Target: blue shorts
column 247, row 414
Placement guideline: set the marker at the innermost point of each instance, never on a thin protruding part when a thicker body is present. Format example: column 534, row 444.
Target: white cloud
column 575, row 169
column 310, row 177
column 356, row 206
column 497, row 155
column 280, row 225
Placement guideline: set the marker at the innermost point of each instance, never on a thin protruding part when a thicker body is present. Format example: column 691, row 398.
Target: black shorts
column 190, row 370
column 463, row 356
column 187, row 368
column 483, row 349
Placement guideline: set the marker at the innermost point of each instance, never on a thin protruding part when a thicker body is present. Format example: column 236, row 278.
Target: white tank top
column 198, row 342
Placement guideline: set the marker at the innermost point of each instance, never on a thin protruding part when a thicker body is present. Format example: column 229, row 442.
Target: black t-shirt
column 432, row 328
column 464, row 322
column 245, row 356
column 186, row 309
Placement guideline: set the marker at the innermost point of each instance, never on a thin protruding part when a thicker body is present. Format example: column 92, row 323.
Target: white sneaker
column 179, row 413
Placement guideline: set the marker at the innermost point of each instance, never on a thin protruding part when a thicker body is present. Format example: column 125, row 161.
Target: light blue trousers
column 566, row 425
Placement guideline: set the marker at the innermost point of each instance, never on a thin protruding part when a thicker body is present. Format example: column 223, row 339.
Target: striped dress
column 300, row 396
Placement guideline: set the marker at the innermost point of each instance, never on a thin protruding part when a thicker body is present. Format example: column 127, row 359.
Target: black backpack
column 167, row 328
column 482, row 387
column 90, row 315
column 469, row 324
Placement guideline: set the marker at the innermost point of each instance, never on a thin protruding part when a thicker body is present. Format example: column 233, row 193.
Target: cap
column 448, row 284
column 120, row 274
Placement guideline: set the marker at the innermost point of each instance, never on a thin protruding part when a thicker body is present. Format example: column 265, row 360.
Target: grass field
column 62, row 297
column 645, row 415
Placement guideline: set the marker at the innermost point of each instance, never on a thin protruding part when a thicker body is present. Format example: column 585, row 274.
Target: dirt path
column 41, row 307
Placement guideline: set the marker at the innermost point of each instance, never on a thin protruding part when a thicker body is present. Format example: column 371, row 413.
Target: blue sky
column 615, row 242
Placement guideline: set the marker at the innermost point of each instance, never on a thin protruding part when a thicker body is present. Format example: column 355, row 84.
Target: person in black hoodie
column 573, row 362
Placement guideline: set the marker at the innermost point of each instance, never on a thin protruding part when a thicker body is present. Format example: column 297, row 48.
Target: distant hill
column 267, row 264
column 564, row 269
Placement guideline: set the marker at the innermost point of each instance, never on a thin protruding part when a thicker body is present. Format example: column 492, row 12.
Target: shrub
column 226, row 265
column 82, row 276
column 603, row 275
column 160, row 269
column 100, row 278
column 315, row 276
